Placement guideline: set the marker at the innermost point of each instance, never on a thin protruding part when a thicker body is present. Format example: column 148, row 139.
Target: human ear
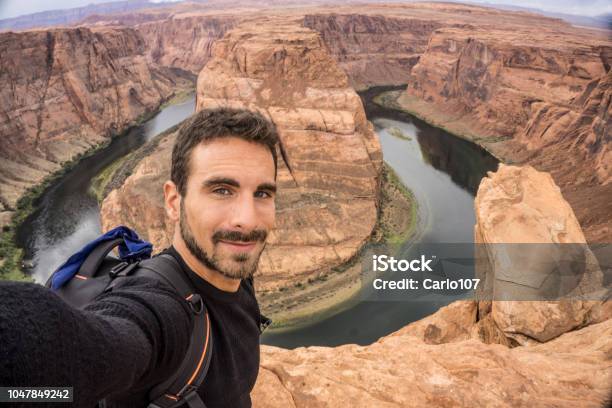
column 172, row 200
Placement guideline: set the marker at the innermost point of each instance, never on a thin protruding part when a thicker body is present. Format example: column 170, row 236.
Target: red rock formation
column 537, row 83
column 500, row 77
column 484, row 70
column 184, row 41
column 178, row 35
column 64, row 91
column 517, row 206
column 373, row 49
column 329, row 174
column 405, row 371
column 535, row 95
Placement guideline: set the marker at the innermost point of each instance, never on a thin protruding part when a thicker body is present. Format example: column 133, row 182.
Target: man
column 221, row 201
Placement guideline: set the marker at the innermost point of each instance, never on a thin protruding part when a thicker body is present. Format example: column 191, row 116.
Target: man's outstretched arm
column 128, row 339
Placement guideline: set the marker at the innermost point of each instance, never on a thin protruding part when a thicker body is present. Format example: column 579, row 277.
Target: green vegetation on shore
column 397, row 132
column 10, row 258
column 179, row 97
column 396, row 228
column 115, row 174
column 389, row 100
column 98, row 183
column 320, row 297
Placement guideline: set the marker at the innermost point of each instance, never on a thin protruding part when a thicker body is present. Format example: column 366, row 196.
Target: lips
column 238, row 246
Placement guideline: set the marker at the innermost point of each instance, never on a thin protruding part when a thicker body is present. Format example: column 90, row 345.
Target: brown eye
column 262, row 194
column 222, row 191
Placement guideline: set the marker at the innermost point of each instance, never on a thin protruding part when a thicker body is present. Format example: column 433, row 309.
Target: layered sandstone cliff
column 328, row 177
column 179, row 36
column 535, row 96
column 379, row 44
column 373, row 49
column 468, row 354
column 184, row 41
column 64, row 91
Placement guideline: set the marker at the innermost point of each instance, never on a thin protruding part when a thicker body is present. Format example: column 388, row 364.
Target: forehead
column 232, row 157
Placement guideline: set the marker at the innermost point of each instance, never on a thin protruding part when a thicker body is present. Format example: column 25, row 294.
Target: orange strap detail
column 203, row 352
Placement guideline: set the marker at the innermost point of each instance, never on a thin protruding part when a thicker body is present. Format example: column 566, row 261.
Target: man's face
column 229, row 207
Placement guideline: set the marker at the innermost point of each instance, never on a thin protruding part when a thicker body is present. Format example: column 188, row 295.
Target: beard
column 234, row 266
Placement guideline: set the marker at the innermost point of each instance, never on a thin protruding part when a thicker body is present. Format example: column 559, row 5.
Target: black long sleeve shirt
column 126, row 341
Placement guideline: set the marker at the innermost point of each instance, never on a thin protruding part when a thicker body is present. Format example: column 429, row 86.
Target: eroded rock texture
column 537, row 95
column 373, row 49
column 184, row 41
column 530, row 235
column 402, row 370
column 533, row 90
column 64, row 91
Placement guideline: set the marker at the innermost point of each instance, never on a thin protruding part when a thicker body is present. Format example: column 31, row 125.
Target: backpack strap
column 93, row 276
column 90, row 266
column 92, row 263
column 181, row 387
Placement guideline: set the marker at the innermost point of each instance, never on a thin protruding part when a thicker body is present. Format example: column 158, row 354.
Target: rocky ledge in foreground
column 503, row 354
column 330, row 158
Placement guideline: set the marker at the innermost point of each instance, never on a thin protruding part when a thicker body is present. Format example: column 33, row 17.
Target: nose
column 244, row 214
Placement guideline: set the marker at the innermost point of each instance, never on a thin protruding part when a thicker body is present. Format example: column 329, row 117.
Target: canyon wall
column 184, row 41
column 379, row 44
column 504, row 77
column 179, row 36
column 64, row 91
column 331, row 160
column 534, row 95
column 297, row 71
column 373, row 49
column 500, row 353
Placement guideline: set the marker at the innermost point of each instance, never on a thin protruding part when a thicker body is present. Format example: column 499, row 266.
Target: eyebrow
column 215, row 181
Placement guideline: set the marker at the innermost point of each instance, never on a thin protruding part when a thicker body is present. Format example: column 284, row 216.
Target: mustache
column 237, row 236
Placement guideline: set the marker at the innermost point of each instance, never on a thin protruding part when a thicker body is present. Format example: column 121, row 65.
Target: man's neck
column 213, row 277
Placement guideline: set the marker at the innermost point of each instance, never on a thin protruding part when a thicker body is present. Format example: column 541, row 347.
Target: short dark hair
column 211, row 124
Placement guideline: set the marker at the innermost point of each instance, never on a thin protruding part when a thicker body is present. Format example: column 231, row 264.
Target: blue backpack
column 93, row 271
